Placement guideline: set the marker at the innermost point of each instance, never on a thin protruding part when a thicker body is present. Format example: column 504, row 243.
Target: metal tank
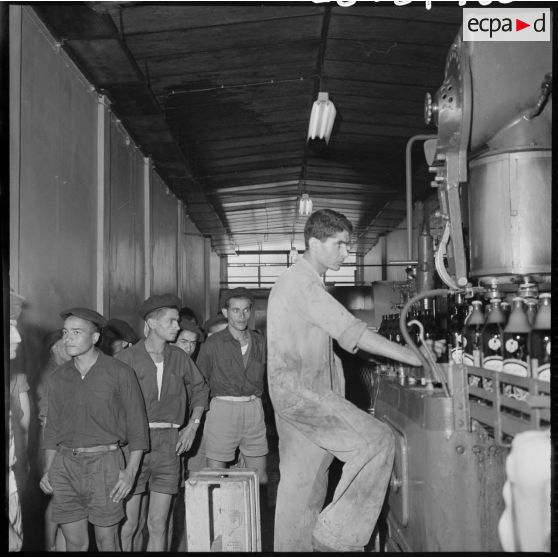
column 493, row 154
column 510, row 213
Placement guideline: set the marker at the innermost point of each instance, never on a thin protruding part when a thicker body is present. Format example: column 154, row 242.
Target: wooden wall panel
column 193, row 281
column 57, row 185
column 164, row 226
column 125, row 277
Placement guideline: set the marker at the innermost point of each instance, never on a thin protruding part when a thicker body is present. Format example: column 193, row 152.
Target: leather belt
column 91, row 449
column 163, row 425
column 243, row 398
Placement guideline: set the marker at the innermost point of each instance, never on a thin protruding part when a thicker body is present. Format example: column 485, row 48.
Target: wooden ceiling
column 219, row 95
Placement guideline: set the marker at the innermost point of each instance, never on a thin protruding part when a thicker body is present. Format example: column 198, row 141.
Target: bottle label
column 468, row 359
column 495, row 343
column 543, row 373
column 494, row 362
column 516, row 367
column 512, row 345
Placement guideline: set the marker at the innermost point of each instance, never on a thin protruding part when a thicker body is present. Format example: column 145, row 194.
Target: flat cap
column 16, row 302
column 159, row 301
column 190, row 326
column 122, row 330
column 85, row 314
column 239, row 292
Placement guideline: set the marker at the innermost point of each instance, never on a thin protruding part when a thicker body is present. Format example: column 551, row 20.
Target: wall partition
column 91, row 222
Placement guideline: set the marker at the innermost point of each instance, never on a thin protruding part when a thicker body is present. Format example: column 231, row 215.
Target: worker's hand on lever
column 374, row 343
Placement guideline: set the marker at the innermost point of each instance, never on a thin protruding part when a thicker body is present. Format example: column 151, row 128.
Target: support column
column 103, row 204
column 147, row 261
column 207, row 276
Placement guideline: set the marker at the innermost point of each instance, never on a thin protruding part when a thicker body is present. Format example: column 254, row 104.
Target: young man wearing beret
column 95, row 406
column 169, row 380
column 233, row 361
column 314, row 420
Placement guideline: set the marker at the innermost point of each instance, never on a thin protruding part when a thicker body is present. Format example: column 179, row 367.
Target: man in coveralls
column 314, row 420
column 168, row 378
column 94, row 406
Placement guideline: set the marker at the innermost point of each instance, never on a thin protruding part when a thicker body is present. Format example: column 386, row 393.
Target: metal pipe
column 546, row 89
column 409, row 188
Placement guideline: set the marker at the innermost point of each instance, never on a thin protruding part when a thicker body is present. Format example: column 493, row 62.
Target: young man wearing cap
column 314, row 420
column 233, row 361
column 118, row 335
column 94, row 407
column 169, row 380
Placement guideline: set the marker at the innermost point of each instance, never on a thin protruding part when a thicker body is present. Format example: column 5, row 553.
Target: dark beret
column 239, row 292
column 190, row 326
column 16, row 302
column 122, row 330
column 85, row 314
column 219, row 319
column 159, row 301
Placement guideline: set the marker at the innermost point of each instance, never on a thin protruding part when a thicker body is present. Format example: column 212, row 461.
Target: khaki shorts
column 81, row 486
column 160, row 467
column 235, row 424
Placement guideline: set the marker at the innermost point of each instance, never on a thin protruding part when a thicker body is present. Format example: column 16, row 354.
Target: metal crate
column 223, row 511
column 507, row 404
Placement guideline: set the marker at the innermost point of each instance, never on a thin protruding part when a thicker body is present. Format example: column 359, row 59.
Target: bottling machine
column 491, row 166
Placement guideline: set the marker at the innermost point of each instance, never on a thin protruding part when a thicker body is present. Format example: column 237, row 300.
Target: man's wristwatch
column 196, row 421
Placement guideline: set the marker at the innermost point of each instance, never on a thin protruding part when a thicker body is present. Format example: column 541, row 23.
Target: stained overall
column 315, row 422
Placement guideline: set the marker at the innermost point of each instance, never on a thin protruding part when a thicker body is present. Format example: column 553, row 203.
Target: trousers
column 312, row 432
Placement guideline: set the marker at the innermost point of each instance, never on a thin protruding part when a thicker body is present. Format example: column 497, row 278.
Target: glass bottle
column 532, row 307
column 456, row 322
column 516, row 340
column 492, row 337
column 472, row 335
column 505, row 306
column 540, row 341
column 382, row 328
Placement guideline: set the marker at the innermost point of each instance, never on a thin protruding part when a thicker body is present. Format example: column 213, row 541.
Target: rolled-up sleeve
column 197, row 386
column 137, row 430
column 322, row 310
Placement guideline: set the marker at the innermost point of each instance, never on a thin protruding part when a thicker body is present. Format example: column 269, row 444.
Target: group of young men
column 116, row 427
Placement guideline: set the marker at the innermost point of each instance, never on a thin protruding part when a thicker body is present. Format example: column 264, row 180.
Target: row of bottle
column 509, row 338
column 390, row 329
column 518, row 344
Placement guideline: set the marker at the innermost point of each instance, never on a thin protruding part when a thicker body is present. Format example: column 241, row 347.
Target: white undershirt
column 244, row 348
column 159, row 366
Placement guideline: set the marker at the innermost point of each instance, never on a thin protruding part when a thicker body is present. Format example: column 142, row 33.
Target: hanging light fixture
column 305, row 205
column 322, row 118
